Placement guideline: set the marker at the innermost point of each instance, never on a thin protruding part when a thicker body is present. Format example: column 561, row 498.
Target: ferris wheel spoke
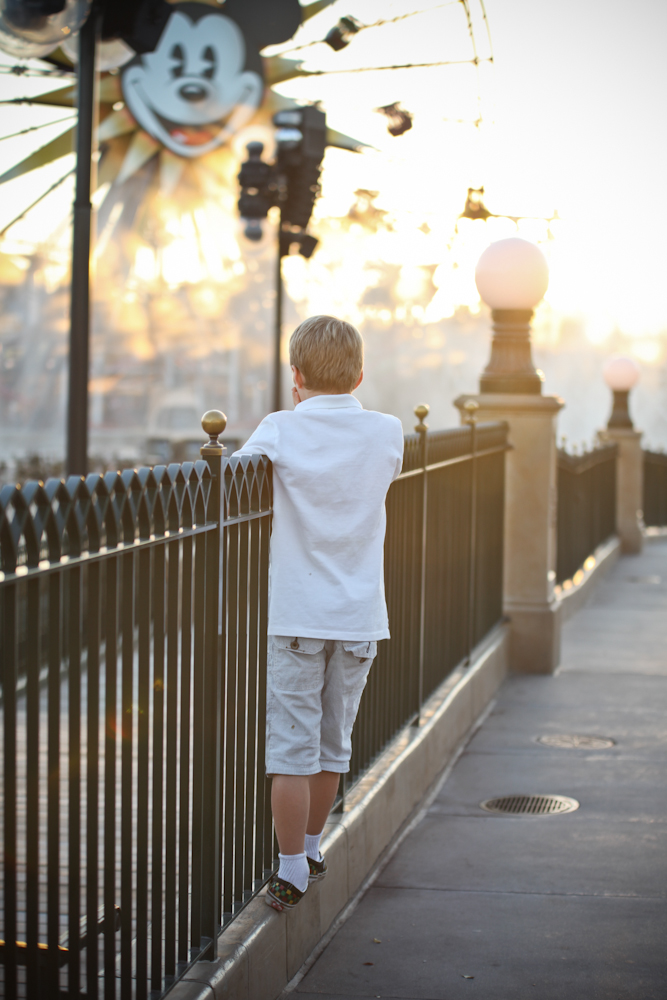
column 376, row 24
column 35, row 128
column 32, row 205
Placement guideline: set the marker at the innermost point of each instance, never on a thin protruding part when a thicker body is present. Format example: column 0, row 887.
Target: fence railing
column 120, row 771
column 443, row 574
column 586, row 506
column 133, row 612
column 655, row 489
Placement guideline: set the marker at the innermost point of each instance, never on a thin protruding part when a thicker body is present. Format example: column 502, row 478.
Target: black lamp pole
column 278, row 330
column 77, row 414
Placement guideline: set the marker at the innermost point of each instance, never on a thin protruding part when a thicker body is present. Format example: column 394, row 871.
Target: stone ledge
column 262, row 950
column 606, row 556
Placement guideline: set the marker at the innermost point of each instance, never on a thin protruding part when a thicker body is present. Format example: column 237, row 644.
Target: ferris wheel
column 202, row 75
column 178, row 91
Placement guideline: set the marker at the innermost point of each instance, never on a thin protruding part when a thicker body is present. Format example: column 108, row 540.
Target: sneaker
column 317, row 869
column 282, row 895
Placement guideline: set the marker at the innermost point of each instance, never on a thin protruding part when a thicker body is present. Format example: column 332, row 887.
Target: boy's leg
column 323, row 790
column 294, row 710
column 300, row 806
column 344, row 681
column 290, row 798
column 290, row 805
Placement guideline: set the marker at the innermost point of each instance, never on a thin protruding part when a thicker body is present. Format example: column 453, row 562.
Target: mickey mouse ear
column 268, row 22
column 138, row 24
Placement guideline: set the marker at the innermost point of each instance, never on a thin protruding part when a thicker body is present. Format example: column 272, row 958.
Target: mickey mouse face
column 192, row 93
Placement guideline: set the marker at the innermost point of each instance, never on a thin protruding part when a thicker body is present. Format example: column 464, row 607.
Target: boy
column 333, row 463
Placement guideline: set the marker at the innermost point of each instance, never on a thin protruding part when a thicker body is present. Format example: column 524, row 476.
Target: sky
column 580, row 111
column 569, row 116
column 573, row 120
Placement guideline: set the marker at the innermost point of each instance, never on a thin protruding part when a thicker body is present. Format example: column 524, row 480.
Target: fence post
column 629, row 486
column 655, row 489
column 213, row 423
column 470, row 416
column 621, row 375
column 529, row 574
column 420, row 412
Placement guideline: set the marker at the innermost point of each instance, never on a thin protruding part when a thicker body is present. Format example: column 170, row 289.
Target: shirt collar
column 340, row 401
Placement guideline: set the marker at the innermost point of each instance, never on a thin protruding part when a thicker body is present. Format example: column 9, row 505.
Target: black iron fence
column 443, row 574
column 120, row 639
column 133, row 611
column 586, row 506
column 655, row 489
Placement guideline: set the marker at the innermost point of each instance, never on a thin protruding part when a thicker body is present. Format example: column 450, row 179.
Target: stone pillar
column 530, row 525
column 629, row 486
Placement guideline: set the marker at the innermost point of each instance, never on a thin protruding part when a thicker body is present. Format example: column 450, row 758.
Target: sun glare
column 176, row 280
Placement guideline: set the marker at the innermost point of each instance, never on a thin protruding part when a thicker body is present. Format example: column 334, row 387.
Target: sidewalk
column 567, row 907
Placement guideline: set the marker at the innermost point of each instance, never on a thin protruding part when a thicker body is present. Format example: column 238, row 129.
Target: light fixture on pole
column 292, row 182
column 511, row 276
column 621, row 374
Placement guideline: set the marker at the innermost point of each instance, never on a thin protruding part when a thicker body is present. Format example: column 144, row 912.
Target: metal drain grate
column 568, row 741
column 531, row 805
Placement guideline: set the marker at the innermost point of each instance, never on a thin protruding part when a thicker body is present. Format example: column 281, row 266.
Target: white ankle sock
column 313, row 846
column 294, row 869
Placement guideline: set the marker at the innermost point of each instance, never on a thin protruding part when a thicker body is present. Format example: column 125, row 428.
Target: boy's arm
column 400, row 445
column 262, row 441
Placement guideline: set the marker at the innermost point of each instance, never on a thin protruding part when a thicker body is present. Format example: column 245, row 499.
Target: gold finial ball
column 421, row 411
column 213, row 422
column 470, row 407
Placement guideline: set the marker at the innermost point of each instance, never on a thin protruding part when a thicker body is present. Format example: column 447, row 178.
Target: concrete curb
column 261, row 951
column 606, row 556
column 654, row 535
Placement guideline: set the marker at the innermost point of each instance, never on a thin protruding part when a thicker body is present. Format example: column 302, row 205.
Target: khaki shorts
column 314, row 687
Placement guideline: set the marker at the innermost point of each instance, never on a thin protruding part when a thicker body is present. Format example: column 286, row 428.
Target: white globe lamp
column 511, row 276
column 621, row 374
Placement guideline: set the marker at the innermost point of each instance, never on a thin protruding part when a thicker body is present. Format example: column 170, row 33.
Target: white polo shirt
column 333, row 463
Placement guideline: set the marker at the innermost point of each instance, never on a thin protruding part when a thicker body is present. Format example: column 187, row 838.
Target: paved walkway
column 566, row 907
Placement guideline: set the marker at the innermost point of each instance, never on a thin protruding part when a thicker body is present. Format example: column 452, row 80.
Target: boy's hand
column 296, row 398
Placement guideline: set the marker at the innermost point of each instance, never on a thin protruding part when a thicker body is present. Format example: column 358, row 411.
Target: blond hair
column 328, row 352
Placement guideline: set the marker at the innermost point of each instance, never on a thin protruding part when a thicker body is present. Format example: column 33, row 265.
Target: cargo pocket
column 294, row 703
column 295, row 644
column 364, row 651
column 296, row 664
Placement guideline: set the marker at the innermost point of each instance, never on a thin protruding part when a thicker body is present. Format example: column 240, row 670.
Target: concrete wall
column 606, row 556
column 262, row 950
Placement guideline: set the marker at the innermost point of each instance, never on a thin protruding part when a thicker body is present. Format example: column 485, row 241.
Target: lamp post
column 512, row 276
column 278, row 329
column 621, row 374
column 79, row 342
